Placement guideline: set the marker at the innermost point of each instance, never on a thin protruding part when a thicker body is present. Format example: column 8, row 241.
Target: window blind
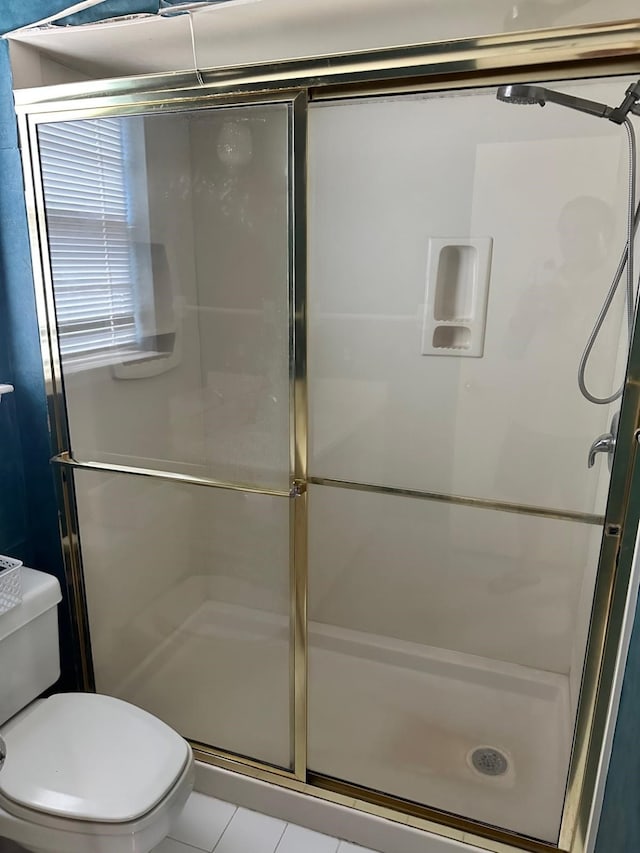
column 85, row 189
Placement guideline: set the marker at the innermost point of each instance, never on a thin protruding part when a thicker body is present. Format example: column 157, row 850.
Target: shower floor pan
column 468, row 735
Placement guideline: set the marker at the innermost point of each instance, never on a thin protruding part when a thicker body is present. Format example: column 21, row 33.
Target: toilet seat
column 88, row 758
column 57, row 835
column 41, row 821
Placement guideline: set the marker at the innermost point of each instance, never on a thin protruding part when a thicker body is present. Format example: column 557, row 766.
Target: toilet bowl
column 84, row 773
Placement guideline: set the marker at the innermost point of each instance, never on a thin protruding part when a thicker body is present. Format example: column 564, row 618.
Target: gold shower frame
column 558, row 53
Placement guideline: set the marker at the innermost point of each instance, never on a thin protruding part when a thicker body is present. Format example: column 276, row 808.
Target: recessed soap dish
column 452, row 337
column 457, row 289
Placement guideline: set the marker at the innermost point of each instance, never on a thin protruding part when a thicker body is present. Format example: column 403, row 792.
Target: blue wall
column 28, row 509
column 619, row 830
column 13, row 509
column 28, row 515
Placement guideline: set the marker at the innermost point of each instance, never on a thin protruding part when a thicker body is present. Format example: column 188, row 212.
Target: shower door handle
column 605, row 443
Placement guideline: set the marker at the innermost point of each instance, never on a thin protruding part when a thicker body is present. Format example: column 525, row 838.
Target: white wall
column 32, row 67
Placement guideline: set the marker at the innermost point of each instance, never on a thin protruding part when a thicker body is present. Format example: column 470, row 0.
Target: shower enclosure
column 321, row 449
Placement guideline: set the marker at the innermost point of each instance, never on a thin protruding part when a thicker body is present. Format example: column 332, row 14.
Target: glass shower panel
column 188, row 600
column 445, row 652
column 170, row 253
column 460, row 251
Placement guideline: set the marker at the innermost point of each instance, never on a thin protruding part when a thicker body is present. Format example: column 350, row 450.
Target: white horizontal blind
column 85, row 188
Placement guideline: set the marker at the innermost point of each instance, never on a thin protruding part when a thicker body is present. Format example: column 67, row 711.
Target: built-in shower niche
column 457, row 288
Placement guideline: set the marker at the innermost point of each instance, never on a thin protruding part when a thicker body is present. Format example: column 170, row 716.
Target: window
column 84, row 173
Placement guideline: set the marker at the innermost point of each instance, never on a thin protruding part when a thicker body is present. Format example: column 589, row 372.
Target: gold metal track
column 466, row 56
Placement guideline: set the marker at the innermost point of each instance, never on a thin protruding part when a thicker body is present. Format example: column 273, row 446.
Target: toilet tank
column 29, row 653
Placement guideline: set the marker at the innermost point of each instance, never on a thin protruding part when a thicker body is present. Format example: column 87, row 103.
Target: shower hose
column 626, row 260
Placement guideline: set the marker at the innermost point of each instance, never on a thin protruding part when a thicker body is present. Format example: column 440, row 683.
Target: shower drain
column 489, row 761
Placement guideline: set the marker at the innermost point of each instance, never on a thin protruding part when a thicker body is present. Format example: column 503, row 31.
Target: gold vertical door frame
column 613, row 578
column 588, row 51
column 298, row 431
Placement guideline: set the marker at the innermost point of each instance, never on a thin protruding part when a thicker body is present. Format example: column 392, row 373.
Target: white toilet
column 84, row 773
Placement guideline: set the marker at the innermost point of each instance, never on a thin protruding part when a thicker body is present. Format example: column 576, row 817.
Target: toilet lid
column 85, row 756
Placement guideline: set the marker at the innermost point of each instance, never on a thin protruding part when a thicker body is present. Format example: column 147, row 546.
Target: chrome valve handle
column 605, row 443
column 3, row 751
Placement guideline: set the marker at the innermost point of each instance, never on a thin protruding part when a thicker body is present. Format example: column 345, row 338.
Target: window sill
column 115, row 360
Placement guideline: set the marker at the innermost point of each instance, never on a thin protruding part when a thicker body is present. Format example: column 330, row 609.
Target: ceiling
column 260, row 31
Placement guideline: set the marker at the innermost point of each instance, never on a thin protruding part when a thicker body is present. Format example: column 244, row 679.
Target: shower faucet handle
column 605, row 443
column 3, row 751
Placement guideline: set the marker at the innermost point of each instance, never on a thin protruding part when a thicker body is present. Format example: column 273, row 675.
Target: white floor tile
column 170, row 845
column 202, row 821
column 250, row 832
column 299, row 840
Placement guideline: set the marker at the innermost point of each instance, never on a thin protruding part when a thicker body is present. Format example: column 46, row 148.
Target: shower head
column 519, row 93
column 523, row 93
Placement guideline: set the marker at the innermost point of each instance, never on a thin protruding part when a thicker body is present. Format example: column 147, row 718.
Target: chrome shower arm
column 593, row 108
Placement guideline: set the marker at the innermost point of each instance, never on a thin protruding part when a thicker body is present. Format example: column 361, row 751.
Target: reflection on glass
column 169, row 246
column 188, row 598
column 437, row 630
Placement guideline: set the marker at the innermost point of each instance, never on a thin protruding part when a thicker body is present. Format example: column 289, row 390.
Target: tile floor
column 210, row 825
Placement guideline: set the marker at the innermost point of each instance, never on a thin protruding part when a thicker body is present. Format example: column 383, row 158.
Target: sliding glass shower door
column 335, row 343
column 170, row 251
column 460, row 251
